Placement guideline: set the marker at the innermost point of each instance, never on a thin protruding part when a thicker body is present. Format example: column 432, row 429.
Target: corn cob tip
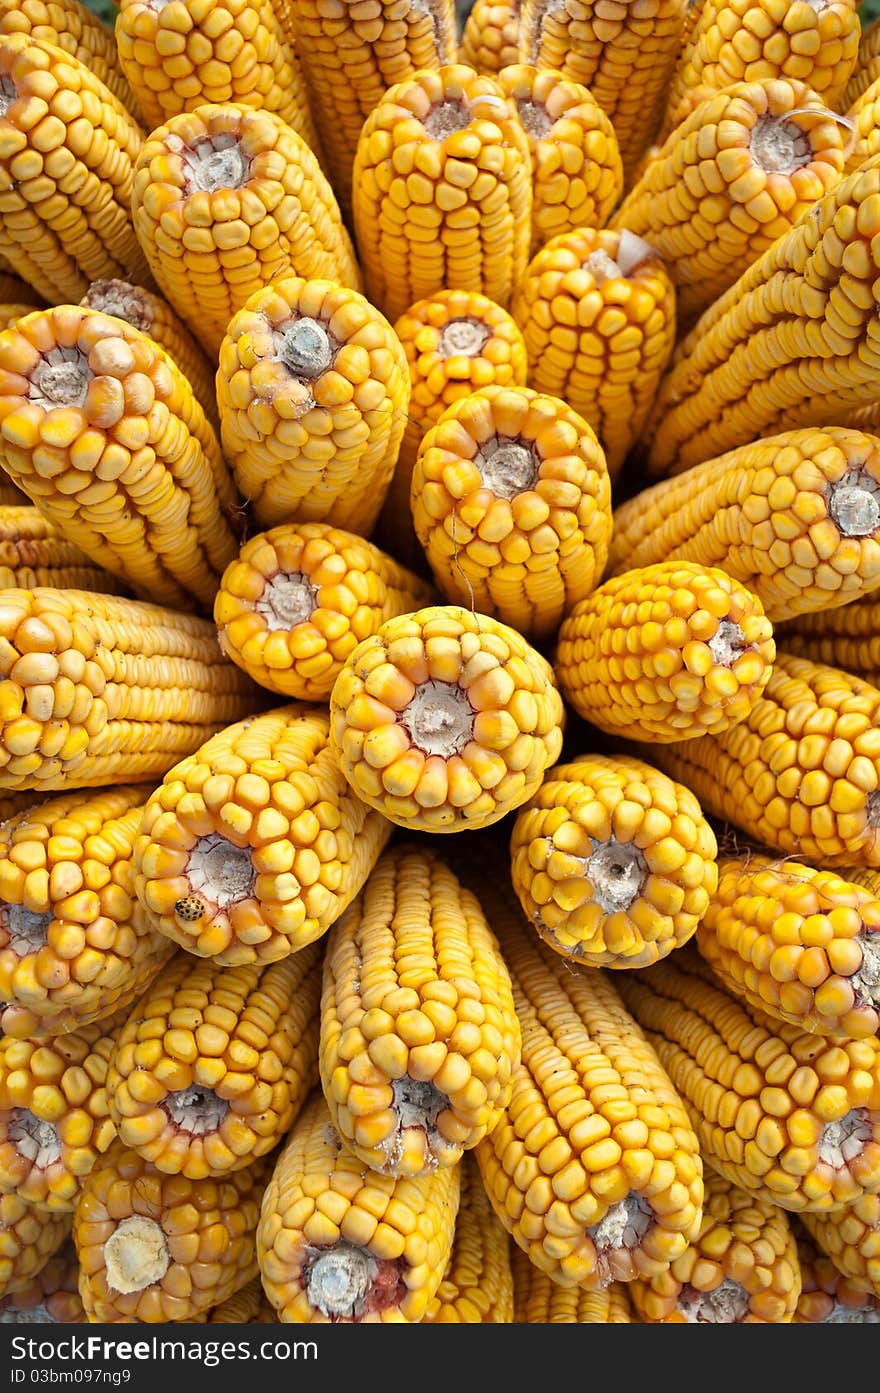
column 214, row 162
column 779, row 145
column 220, row 874
column 854, row 503
column 34, row 1138
column 631, row 252
column 120, row 299
column 61, row 377
column 136, row 1255
column 25, row 929
column 346, row 1281
column 467, row 336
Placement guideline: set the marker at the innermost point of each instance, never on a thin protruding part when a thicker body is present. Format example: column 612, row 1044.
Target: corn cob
column 577, row 174
column 102, row 432
column 226, row 199
column 827, row 1297
column 666, row 652
column 52, row 1295
column 313, row 389
column 66, row 178
column 867, row 68
column 54, row 1119
column 864, row 114
column 338, row 1243
column 254, row 844
column 97, row 688
column 792, row 343
column 13, row 803
column 490, row 36
column 33, row 552
column 417, row 1073
column 744, row 40
column 77, row 30
column 28, row 1238
column 477, row 1287
column 248, row 1306
column 739, row 171
column 300, row 598
column 14, row 290
column 850, row 1237
column 612, row 862
column 75, row 945
column 455, row 342
column 597, row 312
column 206, row 51
column 155, row 1248
column 741, row 1269
column 594, row 1167
column 801, row 772
column 445, row 719
column 511, row 501
column 442, row 190
column 351, row 54
column 795, row 518
column 538, row 1300
column 624, row 55
column 219, row 1061
column 10, row 313
column 799, row 944
column 792, row 1117
column 152, row 316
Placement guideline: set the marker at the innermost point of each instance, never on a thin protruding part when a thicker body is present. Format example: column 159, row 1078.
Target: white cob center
column 846, row 1315
column 220, row 870
column 135, row 1255
column 535, row 117
column 854, row 503
column 844, row 1141
column 507, row 466
column 33, row 1315
column 723, row 1305
column 339, row 1280
column 305, row 347
column 61, row 378
column 446, row 117
column 8, row 94
column 779, row 146
column 439, row 719
column 618, row 871
column 866, row 982
column 727, row 643
column 288, row 599
column 215, row 163
column 621, row 1230
column 417, row 1103
column 465, row 337
column 121, row 299
column 34, row 1138
column 196, row 1110
column 26, row 928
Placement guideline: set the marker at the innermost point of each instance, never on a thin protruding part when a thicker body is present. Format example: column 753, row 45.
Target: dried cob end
column 136, row 1255
column 347, row 1282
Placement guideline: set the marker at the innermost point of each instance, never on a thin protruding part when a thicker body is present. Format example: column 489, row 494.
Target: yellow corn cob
column 865, row 117
column 14, row 290
column 226, row 199
column 255, row 844
column 741, row 1269
column 455, row 342
column 77, row 30
column 28, row 1238
column 538, row 1300
column 867, row 68
column 666, row 652
column 739, row 171
column 511, row 501
column 792, row 343
column 790, row 1116
column 300, row 598
column 490, row 35
column 75, row 945
column 624, row 54
column 594, row 1167
column 743, row 40
column 801, row 772
column 613, row 863
column 477, row 1287
column 102, row 432
column 152, row 316
column 445, row 719
column 155, row 1248
column 248, row 1306
column 96, row 688
column 52, row 1295
column 33, row 552
column 442, row 190
column 313, row 389
column 201, row 51
column 66, row 175
column 597, row 312
column 850, row 1237
column 54, row 1119
column 337, row 1242
column 800, row 944
column 794, row 518
column 417, row 1073
column 827, row 1296
column 577, row 175
column 351, row 53
column 217, row 1064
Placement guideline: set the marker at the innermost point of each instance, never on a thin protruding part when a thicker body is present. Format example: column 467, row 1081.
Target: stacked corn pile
column 427, row 445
